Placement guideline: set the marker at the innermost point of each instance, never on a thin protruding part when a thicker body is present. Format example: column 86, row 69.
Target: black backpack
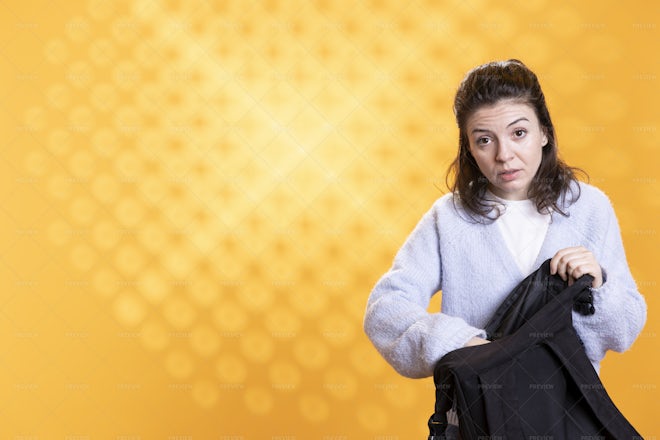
column 534, row 379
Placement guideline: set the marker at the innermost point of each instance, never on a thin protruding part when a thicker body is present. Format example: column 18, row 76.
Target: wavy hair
column 554, row 186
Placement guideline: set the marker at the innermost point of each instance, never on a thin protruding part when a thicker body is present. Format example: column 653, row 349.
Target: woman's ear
column 544, row 139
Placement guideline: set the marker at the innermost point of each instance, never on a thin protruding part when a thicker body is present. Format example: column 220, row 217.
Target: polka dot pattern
column 224, row 181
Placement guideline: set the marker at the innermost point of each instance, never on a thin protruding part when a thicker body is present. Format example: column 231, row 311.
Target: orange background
column 197, row 197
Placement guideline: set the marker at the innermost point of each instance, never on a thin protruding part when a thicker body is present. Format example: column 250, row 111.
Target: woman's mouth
column 508, row 175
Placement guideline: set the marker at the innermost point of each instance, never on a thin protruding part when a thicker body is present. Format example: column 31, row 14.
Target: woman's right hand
column 476, row 341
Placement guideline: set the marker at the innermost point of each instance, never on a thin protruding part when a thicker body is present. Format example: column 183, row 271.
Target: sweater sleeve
column 397, row 322
column 620, row 308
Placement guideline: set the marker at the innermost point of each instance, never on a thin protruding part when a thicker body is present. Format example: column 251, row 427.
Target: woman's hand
column 476, row 341
column 573, row 262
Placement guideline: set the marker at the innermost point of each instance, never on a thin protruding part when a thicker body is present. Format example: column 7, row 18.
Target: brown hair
column 552, row 186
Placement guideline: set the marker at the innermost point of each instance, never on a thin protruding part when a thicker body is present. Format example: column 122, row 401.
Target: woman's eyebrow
column 518, row 120
column 483, row 130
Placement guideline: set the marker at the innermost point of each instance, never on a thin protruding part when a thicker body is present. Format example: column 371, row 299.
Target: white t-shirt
column 524, row 229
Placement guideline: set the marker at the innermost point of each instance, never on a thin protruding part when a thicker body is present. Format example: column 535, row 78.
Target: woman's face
column 507, row 140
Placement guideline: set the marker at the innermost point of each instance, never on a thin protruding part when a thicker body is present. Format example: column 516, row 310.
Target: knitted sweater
column 472, row 266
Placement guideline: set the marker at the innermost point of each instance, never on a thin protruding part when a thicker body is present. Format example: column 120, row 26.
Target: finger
column 568, row 262
column 587, row 269
column 578, row 270
column 574, row 262
column 584, row 266
column 575, row 265
column 575, row 270
column 556, row 260
column 562, row 266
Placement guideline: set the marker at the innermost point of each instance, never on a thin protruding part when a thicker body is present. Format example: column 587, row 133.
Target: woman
column 513, row 205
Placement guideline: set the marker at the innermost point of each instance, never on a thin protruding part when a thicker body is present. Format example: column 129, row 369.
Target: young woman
column 513, row 205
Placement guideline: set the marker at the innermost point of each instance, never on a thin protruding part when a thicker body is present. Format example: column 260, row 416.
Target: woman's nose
column 504, row 152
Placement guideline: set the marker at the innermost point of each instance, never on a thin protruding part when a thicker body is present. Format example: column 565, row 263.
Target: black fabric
column 529, row 297
column 534, row 379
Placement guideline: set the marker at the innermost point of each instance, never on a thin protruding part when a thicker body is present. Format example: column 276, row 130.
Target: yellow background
column 197, row 197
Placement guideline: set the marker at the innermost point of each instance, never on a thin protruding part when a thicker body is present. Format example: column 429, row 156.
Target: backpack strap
column 444, row 401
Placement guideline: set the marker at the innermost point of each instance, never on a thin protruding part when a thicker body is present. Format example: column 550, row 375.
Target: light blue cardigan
column 473, row 267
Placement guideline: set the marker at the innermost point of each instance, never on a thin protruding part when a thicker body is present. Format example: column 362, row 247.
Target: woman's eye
column 519, row 133
column 483, row 141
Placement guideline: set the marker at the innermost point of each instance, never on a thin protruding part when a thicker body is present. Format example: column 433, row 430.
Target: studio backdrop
column 198, row 196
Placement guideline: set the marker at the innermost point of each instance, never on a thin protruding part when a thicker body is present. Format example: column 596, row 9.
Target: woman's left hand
column 573, row 262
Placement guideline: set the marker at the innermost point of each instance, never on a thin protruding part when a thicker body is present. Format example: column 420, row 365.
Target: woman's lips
column 508, row 175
